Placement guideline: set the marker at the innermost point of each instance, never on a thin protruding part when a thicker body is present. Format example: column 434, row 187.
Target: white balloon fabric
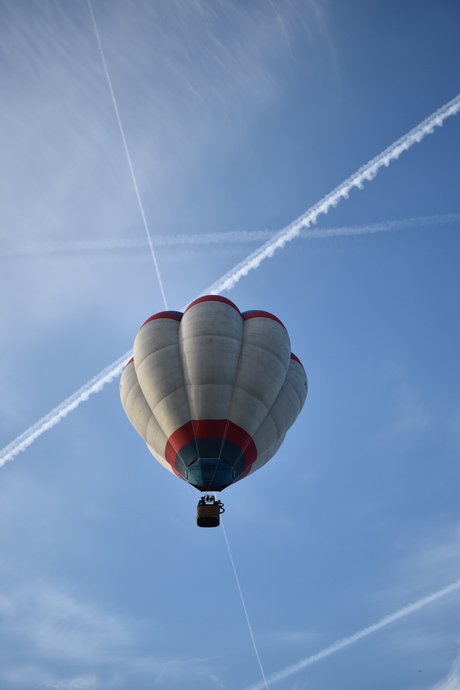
column 213, row 391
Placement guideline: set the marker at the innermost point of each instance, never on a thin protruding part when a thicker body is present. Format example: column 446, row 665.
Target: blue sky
column 239, row 117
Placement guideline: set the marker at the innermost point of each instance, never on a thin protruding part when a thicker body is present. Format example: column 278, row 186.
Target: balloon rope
column 128, row 156
column 244, row 605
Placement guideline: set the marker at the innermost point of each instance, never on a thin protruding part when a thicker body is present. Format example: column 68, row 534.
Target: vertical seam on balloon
column 268, row 409
column 180, row 342
column 173, row 467
column 243, row 450
column 285, row 382
column 224, row 435
column 238, row 367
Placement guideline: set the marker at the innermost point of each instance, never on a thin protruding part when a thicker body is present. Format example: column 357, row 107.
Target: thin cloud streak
column 127, row 153
column 365, row 173
column 210, row 238
column 230, row 279
column 347, row 641
column 264, row 680
column 452, row 682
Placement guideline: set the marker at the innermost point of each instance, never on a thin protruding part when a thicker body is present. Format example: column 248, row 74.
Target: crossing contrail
column 220, row 238
column 94, row 385
column 347, row 641
column 229, row 280
column 365, row 173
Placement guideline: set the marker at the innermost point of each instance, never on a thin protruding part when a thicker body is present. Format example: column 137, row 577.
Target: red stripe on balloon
column 262, row 314
column 164, row 315
column 211, row 428
column 213, row 298
column 296, row 359
column 178, row 440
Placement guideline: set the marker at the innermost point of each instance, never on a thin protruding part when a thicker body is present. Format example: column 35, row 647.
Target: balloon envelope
column 213, row 391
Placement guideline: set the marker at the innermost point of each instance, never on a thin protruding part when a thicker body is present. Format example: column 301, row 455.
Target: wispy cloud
column 29, row 675
column 56, row 625
column 78, row 683
column 410, row 420
column 230, row 279
column 347, row 641
column 176, row 67
column 452, row 682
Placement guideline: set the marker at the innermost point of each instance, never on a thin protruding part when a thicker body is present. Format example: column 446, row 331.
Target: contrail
column 229, row 280
column 138, row 244
column 384, row 226
column 366, row 172
column 264, row 680
column 347, row 641
column 95, row 385
column 127, row 153
column 220, row 238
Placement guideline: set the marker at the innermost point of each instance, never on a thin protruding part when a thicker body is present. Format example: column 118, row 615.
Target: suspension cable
column 127, row 153
column 244, row 605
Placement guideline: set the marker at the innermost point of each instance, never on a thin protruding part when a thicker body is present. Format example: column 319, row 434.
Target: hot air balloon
column 213, row 391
